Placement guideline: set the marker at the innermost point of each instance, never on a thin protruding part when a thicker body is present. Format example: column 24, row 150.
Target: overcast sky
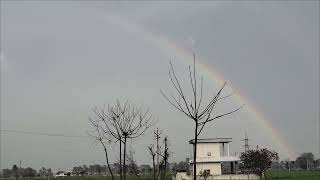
column 58, row 60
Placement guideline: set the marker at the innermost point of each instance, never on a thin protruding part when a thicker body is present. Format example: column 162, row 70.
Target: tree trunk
column 165, row 158
column 260, row 174
column 164, row 170
column 107, row 159
column 154, row 168
column 157, row 154
column 120, row 164
column 195, row 152
column 124, row 158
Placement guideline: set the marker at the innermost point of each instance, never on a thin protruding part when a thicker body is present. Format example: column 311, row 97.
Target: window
column 209, row 153
column 207, row 171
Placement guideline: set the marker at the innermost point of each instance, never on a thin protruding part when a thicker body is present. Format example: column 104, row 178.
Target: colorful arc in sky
column 253, row 109
column 167, row 45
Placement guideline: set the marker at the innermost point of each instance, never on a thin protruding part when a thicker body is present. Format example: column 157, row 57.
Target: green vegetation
column 294, row 175
column 271, row 175
column 168, row 177
column 258, row 160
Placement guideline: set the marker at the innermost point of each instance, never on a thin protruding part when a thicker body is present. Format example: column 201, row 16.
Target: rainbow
column 170, row 47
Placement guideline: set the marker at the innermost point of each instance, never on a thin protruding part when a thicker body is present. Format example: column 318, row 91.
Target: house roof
column 212, row 140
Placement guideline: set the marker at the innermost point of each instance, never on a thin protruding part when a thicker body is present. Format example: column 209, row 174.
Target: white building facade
column 213, row 156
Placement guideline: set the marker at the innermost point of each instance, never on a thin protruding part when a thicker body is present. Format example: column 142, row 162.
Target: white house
column 213, row 156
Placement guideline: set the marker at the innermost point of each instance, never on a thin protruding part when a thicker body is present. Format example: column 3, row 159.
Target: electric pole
column 157, row 134
column 19, row 170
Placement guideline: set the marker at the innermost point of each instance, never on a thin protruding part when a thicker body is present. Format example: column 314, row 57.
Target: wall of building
column 184, row 176
column 215, row 168
column 181, row 176
column 204, row 148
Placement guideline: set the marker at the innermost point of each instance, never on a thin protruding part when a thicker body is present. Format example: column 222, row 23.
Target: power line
column 41, row 133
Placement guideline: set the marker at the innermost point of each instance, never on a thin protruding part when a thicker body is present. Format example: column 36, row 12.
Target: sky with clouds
column 59, row 59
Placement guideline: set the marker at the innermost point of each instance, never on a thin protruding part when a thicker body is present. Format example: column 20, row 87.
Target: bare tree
column 101, row 137
column 157, row 136
column 132, row 164
column 122, row 122
column 161, row 166
column 165, row 156
column 153, row 156
column 192, row 106
column 132, row 122
column 103, row 119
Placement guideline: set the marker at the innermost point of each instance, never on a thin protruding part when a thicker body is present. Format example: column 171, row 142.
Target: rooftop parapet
column 212, row 140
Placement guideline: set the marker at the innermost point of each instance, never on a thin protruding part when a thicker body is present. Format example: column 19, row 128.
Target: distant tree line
column 305, row 161
column 132, row 167
column 259, row 161
column 16, row 172
column 92, row 170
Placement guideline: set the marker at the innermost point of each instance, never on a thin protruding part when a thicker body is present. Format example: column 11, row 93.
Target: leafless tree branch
column 193, row 109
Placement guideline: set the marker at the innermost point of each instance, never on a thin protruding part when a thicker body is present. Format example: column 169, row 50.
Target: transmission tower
column 246, row 142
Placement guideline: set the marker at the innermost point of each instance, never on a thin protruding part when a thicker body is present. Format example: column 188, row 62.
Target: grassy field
column 294, row 175
column 92, row 178
column 272, row 175
column 107, row 178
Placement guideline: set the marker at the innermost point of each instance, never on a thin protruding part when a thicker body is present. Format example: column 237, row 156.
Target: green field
column 108, row 178
column 272, row 175
column 294, row 175
column 92, row 178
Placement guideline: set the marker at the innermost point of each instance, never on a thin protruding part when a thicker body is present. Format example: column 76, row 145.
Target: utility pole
column 19, row 170
column 289, row 165
column 165, row 157
column 157, row 134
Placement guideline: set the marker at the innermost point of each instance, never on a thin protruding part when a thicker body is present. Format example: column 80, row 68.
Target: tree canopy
column 258, row 161
column 305, row 160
